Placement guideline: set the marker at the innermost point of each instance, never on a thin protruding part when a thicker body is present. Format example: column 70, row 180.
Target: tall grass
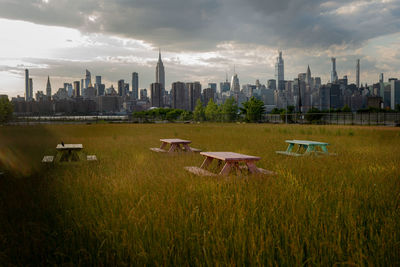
column 137, row 207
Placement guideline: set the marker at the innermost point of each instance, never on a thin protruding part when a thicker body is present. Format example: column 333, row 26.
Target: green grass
column 137, row 207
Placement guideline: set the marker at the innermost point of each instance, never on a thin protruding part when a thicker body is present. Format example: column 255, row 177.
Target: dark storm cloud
column 201, row 24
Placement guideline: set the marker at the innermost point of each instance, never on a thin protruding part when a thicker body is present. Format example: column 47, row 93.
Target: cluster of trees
column 6, row 110
column 252, row 111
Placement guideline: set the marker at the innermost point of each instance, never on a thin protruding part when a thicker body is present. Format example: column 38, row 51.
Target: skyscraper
column 178, row 93
column 48, row 88
column 135, row 85
column 225, row 86
column 280, row 72
column 30, row 89
column 27, row 96
column 98, row 80
column 160, row 74
column 194, row 91
column 334, row 76
column 358, row 73
column 156, row 95
column 235, row 85
column 88, row 79
column 308, row 76
column 121, row 87
column 381, row 78
column 77, row 91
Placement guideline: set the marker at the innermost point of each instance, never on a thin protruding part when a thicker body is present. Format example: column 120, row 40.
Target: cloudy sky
column 200, row 40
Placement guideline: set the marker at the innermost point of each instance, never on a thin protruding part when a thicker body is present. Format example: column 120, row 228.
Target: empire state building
column 160, row 74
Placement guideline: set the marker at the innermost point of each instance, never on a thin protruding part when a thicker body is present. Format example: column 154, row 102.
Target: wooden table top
column 69, row 147
column 229, row 156
column 175, row 141
column 305, row 142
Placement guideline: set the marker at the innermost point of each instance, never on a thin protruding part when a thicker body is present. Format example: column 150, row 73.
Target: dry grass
column 139, row 207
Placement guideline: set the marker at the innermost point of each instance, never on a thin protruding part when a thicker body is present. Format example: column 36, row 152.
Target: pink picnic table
column 176, row 145
column 232, row 160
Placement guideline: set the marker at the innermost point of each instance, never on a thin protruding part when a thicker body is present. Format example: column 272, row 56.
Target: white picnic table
column 232, row 161
column 176, row 144
column 305, row 147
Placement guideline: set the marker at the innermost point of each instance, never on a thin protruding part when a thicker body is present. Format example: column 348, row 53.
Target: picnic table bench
column 305, row 148
column 175, row 145
column 69, row 152
column 232, row 161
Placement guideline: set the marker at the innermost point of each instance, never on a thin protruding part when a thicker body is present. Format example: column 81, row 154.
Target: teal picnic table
column 304, row 147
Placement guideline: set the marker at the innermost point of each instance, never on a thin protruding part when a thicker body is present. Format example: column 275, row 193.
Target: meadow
column 138, row 207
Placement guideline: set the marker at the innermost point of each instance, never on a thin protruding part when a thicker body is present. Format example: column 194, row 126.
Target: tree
column 186, row 115
column 211, row 111
column 253, row 109
column 229, row 110
column 346, row 108
column 198, row 113
column 313, row 115
column 397, row 108
column 6, row 110
column 173, row 114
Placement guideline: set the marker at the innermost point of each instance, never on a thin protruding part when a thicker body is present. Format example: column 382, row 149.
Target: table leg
column 172, row 148
column 207, row 161
column 252, row 167
column 324, row 149
column 187, row 148
column 289, row 148
column 163, row 145
column 226, row 169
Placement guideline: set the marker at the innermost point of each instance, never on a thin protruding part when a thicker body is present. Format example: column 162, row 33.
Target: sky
column 200, row 40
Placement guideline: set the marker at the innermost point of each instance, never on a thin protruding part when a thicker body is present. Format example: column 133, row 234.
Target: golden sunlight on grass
column 137, row 207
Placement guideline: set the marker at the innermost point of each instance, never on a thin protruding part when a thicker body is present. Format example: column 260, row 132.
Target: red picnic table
column 232, row 161
column 175, row 145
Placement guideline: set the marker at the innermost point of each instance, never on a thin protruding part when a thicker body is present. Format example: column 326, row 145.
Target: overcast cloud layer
column 121, row 36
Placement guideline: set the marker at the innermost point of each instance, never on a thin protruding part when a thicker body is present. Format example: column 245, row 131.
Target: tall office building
column 135, row 85
column 225, row 86
column 48, row 88
column 98, row 80
column 194, row 91
column 88, row 79
column 27, row 96
column 160, row 74
column 77, row 91
column 235, row 85
column 213, row 86
column 358, row 73
column 30, row 89
column 280, row 72
column 334, row 76
column 178, row 93
column 121, row 87
column 394, row 93
column 156, row 95
column 271, row 84
column 68, row 87
column 381, row 78
column 308, row 76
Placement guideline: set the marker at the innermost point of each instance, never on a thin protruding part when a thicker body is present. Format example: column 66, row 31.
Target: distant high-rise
column 77, row 91
column 48, row 87
column 135, row 85
column 98, row 80
column 358, row 73
column 271, row 84
column 27, row 96
column 30, row 89
column 235, row 85
column 88, row 79
column 225, row 86
column 213, row 86
column 156, row 95
column 121, row 88
column 178, row 93
column 394, row 93
column 308, row 76
column 280, row 72
column 334, row 76
column 381, row 78
column 160, row 74
column 194, row 93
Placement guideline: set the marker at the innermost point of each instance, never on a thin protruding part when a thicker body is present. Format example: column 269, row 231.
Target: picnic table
column 305, row 147
column 231, row 160
column 69, row 152
column 175, row 145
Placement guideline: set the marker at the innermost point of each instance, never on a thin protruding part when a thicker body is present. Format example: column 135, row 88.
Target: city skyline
column 63, row 48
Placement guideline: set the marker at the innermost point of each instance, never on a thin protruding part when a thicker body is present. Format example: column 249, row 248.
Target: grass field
column 137, row 207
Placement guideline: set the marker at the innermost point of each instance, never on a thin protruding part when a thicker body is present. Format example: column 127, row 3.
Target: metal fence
column 340, row 118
